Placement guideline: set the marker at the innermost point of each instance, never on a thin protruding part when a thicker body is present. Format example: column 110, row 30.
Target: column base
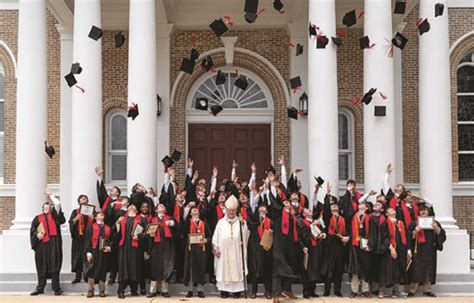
column 454, row 259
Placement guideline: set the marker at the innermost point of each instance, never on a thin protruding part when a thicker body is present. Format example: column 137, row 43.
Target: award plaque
column 364, row 243
column 267, row 239
column 195, row 238
column 425, row 222
column 315, row 231
column 87, row 210
column 151, row 229
column 138, row 230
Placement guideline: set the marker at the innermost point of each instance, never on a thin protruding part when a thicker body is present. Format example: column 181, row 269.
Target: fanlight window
column 230, row 96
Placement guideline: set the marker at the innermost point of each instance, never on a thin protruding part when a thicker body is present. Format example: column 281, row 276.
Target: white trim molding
column 460, row 3
column 10, row 53
column 9, row 5
column 460, row 39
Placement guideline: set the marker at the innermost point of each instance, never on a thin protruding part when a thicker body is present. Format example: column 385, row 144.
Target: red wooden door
column 219, row 144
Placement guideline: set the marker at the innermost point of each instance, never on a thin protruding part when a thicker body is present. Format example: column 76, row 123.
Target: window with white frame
column 116, row 156
column 465, row 95
column 346, row 144
column 2, row 104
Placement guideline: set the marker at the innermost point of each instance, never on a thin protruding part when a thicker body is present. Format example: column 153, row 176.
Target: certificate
column 151, row 229
column 305, row 260
column 196, row 238
column 40, row 229
column 315, row 231
column 425, row 222
column 364, row 244
column 267, row 239
column 103, row 243
column 87, row 210
column 138, row 230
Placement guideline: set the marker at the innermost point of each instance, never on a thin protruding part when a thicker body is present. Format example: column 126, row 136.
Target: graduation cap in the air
column 439, row 9
column 207, row 63
column 167, row 161
column 367, row 98
column 76, row 68
column 349, row 18
column 241, row 82
column 250, row 9
column 216, row 109
column 295, row 83
column 95, row 33
column 380, row 111
column 321, row 41
column 133, row 111
column 202, row 103
column 70, row 79
column 337, row 41
column 119, row 39
column 312, row 30
column 292, row 112
column 278, row 5
column 176, row 155
column 194, row 54
column 400, row 7
column 49, row 149
column 423, row 26
column 364, row 42
column 299, row 49
column 187, row 65
column 399, row 40
column 319, row 180
column 220, row 78
column 219, row 27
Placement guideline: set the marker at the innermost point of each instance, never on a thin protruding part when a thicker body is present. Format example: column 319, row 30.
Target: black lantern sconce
column 158, row 105
column 303, row 104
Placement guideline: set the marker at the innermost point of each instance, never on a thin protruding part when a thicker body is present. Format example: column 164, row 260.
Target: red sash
column 107, row 201
column 355, row 228
column 265, row 225
column 341, row 226
column 243, row 211
column 302, row 201
column 220, row 212
column 177, row 212
column 392, row 232
column 355, row 204
column 281, row 193
column 166, row 218
column 123, row 226
column 313, row 240
column 406, row 212
column 285, row 222
column 50, row 228
column 96, row 234
column 80, row 226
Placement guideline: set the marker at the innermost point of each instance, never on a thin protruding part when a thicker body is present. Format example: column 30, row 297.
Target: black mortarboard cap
column 119, row 39
column 299, row 49
column 295, row 82
column 364, row 42
column 367, row 98
column 201, row 103
column 194, row 54
column 439, row 9
column 322, row 41
column 220, row 78
column 349, row 18
column 176, row 155
column 187, row 65
column 207, row 63
column 241, row 82
column 292, row 112
column 250, row 17
column 319, row 180
column 167, row 161
column 424, row 27
column 76, row 68
column 312, row 30
column 337, row 41
column 271, row 169
column 399, row 40
column 49, row 150
column 95, row 33
column 278, row 5
column 133, row 111
column 229, row 185
column 219, row 27
column 400, row 7
column 70, row 79
column 216, row 109
column 380, row 111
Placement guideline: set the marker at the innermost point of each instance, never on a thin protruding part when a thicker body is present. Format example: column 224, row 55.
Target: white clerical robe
column 228, row 268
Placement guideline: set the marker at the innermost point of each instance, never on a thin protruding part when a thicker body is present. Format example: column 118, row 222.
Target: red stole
column 96, row 234
column 281, row 193
column 123, row 226
column 355, row 228
column 285, row 224
column 243, row 212
column 157, row 238
column 337, row 226
column 391, row 230
column 302, row 202
column 220, row 212
column 106, row 203
column 355, row 204
column 80, row 226
column 308, row 224
column 50, row 228
column 265, row 225
column 420, row 235
column 403, row 205
column 177, row 212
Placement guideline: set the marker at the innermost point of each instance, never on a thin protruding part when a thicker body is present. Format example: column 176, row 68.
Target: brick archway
column 242, row 59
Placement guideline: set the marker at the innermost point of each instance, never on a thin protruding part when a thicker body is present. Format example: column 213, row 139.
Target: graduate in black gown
column 140, row 194
column 348, row 203
column 77, row 226
column 46, row 241
column 145, row 218
column 162, row 252
column 426, row 243
column 96, row 254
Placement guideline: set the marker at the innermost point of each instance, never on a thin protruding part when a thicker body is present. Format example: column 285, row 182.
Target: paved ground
column 215, row 299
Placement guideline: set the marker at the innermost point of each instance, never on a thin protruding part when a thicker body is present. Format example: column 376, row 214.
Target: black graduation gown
column 100, row 259
column 379, row 239
column 129, row 257
column 102, row 196
column 394, row 270
column 144, row 243
column 138, row 198
column 359, row 259
column 78, row 240
column 162, row 254
column 195, row 257
column 259, row 260
column 424, row 256
column 347, row 208
column 48, row 256
column 315, row 254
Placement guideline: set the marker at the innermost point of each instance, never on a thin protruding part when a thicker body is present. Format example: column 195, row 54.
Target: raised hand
column 195, row 176
column 298, row 170
column 190, row 162
column 47, row 192
column 372, row 192
column 99, row 171
column 234, row 164
column 215, row 171
column 329, row 188
column 281, row 160
column 253, row 167
column 389, row 168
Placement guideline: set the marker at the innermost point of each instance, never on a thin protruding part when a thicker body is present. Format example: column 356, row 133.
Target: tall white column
column 379, row 132
column 435, row 135
column 141, row 136
column 322, row 94
column 65, row 171
column 86, row 107
column 398, row 110
column 32, row 115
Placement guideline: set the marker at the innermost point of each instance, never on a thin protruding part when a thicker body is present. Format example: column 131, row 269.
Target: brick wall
column 463, row 208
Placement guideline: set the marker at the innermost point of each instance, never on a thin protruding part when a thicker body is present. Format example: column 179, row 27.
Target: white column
column 32, row 116
column 65, row 171
column 435, row 135
column 141, row 136
column 86, row 107
column 322, row 94
column 379, row 132
column 163, row 89
column 398, row 97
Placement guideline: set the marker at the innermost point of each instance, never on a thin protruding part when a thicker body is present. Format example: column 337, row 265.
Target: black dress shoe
column 338, row 294
column 410, row 294
column 253, row 295
column 165, row 294
column 353, row 295
column 224, row 294
column 37, row 292
column 326, row 293
column 58, row 292
column 314, row 295
column 151, row 295
column 429, row 294
column 306, row 296
column 201, row 294
column 143, row 291
column 76, row 280
column 236, row 295
column 121, row 295
column 189, row 294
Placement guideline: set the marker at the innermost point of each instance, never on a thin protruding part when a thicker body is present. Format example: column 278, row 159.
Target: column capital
column 65, row 31
column 163, row 31
column 229, row 47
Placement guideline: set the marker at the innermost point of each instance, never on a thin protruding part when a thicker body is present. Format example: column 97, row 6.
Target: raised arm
column 386, row 184
column 100, row 187
column 253, row 176
column 284, row 179
column 56, row 202
column 233, row 173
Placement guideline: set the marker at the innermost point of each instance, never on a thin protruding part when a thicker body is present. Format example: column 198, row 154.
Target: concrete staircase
column 19, row 283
